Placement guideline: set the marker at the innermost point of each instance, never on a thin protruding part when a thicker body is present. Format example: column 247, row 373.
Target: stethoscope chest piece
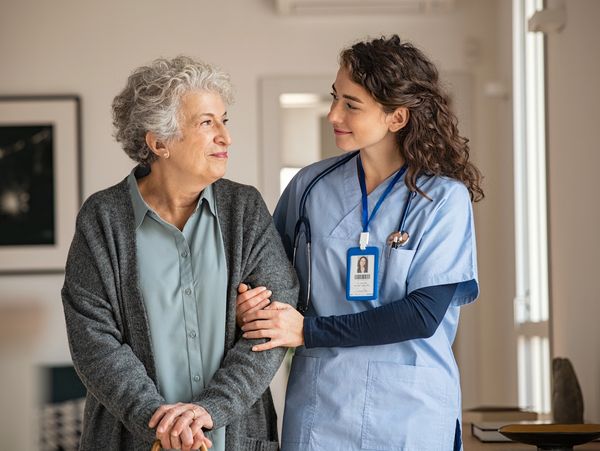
column 398, row 239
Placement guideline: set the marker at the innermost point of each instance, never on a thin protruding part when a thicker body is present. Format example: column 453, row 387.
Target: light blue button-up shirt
column 183, row 281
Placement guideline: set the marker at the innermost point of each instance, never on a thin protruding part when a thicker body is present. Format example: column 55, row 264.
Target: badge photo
column 362, row 270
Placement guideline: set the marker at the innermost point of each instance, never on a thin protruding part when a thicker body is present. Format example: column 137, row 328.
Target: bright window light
column 299, row 100
column 531, row 235
column 285, row 176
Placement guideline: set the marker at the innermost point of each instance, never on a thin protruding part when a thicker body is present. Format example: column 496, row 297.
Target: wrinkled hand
column 280, row 322
column 248, row 301
column 179, row 426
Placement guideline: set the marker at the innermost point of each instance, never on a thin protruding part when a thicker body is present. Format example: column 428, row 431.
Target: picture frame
column 40, row 181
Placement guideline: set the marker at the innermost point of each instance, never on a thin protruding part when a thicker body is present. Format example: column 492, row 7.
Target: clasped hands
column 179, row 426
column 258, row 317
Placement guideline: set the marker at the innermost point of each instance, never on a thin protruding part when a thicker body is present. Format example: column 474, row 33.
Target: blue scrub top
column 401, row 396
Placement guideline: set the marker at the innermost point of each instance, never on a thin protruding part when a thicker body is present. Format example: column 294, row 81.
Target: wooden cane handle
column 156, row 446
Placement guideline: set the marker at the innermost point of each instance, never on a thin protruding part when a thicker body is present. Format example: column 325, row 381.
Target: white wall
column 497, row 373
column 574, row 159
column 89, row 48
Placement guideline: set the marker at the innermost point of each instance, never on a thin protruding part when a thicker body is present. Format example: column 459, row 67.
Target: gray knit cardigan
column 109, row 336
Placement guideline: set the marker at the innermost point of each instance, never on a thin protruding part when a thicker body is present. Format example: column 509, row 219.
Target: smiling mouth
column 220, row 155
column 341, row 132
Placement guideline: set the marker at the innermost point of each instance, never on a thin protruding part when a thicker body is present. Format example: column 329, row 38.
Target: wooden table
column 471, row 443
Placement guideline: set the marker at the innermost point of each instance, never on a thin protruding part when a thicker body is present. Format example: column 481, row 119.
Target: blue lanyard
column 366, row 219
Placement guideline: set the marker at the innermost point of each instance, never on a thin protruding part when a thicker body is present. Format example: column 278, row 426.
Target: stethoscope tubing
column 319, row 176
column 402, row 225
column 304, row 221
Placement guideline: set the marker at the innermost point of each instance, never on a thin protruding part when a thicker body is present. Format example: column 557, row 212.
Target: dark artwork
column 26, row 185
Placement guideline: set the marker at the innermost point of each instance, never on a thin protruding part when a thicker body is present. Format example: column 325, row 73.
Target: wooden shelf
column 471, row 443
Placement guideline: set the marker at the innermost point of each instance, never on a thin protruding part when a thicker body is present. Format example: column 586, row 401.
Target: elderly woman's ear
column 157, row 147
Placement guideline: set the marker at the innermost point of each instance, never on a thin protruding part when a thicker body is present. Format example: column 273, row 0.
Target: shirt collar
column 141, row 208
column 208, row 196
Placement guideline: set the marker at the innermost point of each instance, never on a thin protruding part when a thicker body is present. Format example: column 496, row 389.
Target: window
column 531, row 241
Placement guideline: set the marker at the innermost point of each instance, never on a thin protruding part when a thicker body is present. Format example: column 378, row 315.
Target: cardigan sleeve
column 245, row 375
column 106, row 364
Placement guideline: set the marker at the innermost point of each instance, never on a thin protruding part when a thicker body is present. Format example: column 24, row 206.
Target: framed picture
column 40, row 181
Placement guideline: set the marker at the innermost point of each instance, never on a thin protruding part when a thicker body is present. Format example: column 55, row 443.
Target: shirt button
column 196, row 378
column 192, row 334
column 188, row 291
column 184, row 254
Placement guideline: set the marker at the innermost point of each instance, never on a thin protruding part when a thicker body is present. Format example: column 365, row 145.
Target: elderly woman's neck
column 172, row 198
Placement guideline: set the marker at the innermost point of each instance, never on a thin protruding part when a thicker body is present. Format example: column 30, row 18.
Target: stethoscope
column 395, row 240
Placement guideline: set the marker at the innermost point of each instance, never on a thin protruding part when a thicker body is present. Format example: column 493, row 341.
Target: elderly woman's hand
column 280, row 322
column 250, row 300
column 179, row 426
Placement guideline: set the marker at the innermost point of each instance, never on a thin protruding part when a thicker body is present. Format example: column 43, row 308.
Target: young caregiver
column 374, row 368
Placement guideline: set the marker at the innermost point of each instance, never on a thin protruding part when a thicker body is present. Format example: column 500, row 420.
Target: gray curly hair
column 151, row 99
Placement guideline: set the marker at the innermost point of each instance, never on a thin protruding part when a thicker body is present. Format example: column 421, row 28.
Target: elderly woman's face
column 202, row 150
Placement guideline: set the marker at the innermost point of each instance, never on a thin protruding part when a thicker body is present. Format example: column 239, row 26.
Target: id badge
column 362, row 270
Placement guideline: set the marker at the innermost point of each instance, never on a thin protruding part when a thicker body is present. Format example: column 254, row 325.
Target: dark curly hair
column 398, row 74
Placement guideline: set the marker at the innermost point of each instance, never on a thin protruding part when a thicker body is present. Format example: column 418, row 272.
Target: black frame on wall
column 41, row 181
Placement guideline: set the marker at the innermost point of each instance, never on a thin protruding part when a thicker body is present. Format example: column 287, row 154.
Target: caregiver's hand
column 248, row 301
column 280, row 322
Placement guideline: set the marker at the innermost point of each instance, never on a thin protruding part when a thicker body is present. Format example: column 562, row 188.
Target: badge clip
column 364, row 240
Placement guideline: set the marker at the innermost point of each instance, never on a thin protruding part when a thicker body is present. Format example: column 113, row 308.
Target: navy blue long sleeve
column 417, row 315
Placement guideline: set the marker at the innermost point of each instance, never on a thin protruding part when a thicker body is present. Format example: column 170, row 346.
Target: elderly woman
column 150, row 285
